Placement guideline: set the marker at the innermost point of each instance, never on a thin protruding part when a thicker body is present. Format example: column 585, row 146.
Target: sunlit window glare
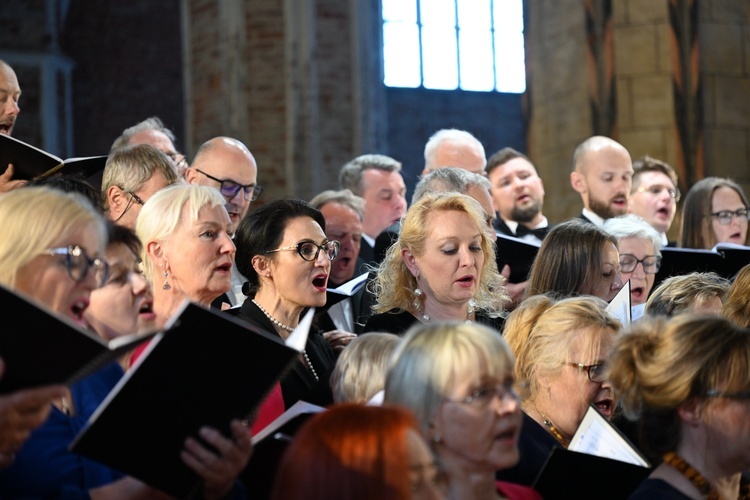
column 472, row 45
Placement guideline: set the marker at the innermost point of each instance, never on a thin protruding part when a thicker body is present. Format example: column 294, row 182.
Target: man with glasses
column 227, row 165
column 152, row 131
column 654, row 194
column 132, row 175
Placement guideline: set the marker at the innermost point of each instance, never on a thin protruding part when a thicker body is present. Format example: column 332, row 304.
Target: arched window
column 454, row 44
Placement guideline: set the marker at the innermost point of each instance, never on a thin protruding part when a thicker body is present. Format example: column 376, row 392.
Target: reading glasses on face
column 230, row 188
column 656, row 190
column 78, row 263
column 725, row 216
column 595, row 372
column 310, row 251
column 179, row 160
column 739, row 395
column 485, row 395
column 651, row 263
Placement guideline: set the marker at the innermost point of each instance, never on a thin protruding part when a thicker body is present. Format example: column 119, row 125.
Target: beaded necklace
column 552, row 429
column 290, row 330
column 700, row 482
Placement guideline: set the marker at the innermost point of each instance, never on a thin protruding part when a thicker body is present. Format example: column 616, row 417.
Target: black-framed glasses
column 725, row 216
column 656, row 190
column 136, row 198
column 78, row 263
column 485, row 395
column 651, row 263
column 595, row 372
column 309, row 250
column 740, row 395
column 230, row 188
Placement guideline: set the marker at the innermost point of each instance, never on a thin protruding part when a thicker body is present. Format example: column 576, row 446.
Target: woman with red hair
column 363, row 452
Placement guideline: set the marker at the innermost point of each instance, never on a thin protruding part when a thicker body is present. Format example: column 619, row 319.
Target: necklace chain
column 290, row 330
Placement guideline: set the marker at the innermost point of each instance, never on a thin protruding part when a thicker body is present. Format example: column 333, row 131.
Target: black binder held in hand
column 205, row 370
column 31, row 162
column 518, row 254
column 40, row 347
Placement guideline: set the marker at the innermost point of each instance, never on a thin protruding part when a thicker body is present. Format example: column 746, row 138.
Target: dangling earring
column 166, row 285
column 417, row 294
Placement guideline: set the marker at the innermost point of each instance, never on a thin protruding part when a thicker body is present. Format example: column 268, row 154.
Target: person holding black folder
column 686, row 379
column 283, row 251
column 52, row 253
column 561, row 348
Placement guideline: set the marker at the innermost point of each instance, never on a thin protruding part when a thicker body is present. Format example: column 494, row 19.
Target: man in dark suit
column 603, row 175
column 377, row 179
column 518, row 194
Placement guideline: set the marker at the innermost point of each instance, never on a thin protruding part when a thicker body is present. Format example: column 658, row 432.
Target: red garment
column 515, row 491
column 269, row 410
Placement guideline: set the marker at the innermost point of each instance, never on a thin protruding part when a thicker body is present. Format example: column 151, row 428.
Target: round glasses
column 651, row 263
column 595, row 372
column 725, row 216
column 78, row 263
column 309, row 250
column 229, row 188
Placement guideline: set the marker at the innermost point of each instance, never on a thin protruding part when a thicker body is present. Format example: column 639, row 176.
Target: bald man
column 603, row 175
column 454, row 148
column 10, row 93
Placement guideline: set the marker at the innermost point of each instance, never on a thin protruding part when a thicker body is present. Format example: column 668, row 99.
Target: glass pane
column 508, row 15
column 439, row 58
column 401, row 55
column 400, row 10
column 509, row 63
column 475, row 49
column 436, row 13
column 474, row 14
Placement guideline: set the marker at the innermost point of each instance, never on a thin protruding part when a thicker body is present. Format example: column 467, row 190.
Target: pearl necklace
column 290, row 330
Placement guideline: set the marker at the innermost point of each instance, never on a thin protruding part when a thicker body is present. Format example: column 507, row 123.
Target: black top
column 534, row 446
column 657, row 489
column 399, row 321
column 299, row 382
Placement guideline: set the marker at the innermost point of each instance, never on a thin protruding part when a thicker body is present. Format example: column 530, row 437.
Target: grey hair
column 448, row 179
column 350, row 176
column 152, row 123
column 633, row 226
column 343, row 197
column 447, row 134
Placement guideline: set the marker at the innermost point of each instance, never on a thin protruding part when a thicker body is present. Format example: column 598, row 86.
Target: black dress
column 299, row 382
column 657, row 489
column 398, row 321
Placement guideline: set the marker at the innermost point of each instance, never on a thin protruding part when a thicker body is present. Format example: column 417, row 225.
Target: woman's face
column 482, row 431
column 608, row 282
column 640, row 282
column 728, row 423
column 46, row 279
column 727, row 199
column 124, row 304
column 199, row 255
column 423, row 472
column 299, row 282
column 450, row 267
column 565, row 398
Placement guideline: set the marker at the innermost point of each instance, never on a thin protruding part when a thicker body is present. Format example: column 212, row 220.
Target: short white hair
column 447, row 134
column 633, row 226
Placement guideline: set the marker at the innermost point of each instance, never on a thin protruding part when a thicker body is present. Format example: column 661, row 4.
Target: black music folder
column 206, row 370
column 518, row 254
column 724, row 259
column 40, row 347
column 31, row 162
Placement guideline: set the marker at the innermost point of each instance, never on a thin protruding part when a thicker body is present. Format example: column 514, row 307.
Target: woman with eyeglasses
column 457, row 379
column 283, row 252
column 687, row 381
column 640, row 254
column 53, row 252
column 715, row 211
column 561, row 348
column 441, row 268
